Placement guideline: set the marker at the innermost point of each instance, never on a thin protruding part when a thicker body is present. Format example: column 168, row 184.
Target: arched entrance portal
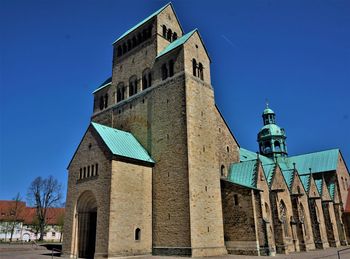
column 87, row 215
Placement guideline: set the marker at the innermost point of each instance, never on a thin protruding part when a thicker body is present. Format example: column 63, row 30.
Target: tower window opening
column 200, row 71
column 124, row 48
column 277, row 146
column 106, row 101
column 96, row 168
column 164, row 31
column 137, row 234
column 88, row 171
column 84, row 172
column 80, row 173
column 171, row 68
column 92, row 170
column 120, row 92
column 235, row 200
column 174, row 36
column 129, row 45
column 222, row 171
column 169, row 34
column 146, row 78
column 119, row 51
column 194, row 67
column 101, row 103
column 139, row 38
column 134, row 42
column 132, row 85
column 164, row 72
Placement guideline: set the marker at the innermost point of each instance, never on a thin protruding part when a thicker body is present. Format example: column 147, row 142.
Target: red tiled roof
column 347, row 205
column 28, row 214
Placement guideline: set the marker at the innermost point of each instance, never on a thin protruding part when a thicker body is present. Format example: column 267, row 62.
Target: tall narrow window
column 235, row 199
column 101, row 103
column 106, row 101
column 171, row 68
column 92, row 170
column 222, row 171
column 137, row 234
column 120, row 92
column 134, row 42
column 81, row 173
column 169, row 34
column 124, row 48
column 146, row 78
column 194, row 67
column 139, row 38
column 200, row 71
column 164, row 72
column 84, row 172
column 88, row 171
column 119, row 51
column 96, row 168
column 164, row 31
column 132, row 85
column 129, row 45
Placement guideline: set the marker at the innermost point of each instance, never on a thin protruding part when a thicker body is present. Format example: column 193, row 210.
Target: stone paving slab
column 330, row 253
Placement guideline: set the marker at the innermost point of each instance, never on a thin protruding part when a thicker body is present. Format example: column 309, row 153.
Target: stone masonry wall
column 99, row 186
column 239, row 222
column 130, row 208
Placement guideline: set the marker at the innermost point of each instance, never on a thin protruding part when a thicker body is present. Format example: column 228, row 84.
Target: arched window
column 120, row 92
column 171, row 68
column 283, row 217
column 144, row 34
column 132, row 85
column 124, row 48
column 106, row 101
column 146, row 78
column 134, row 42
column 129, row 45
column 119, row 51
column 200, row 71
column 149, row 31
column 169, row 34
column 235, row 200
column 267, row 147
column 194, row 67
column 277, row 146
column 164, row 31
column 164, row 72
column 222, row 171
column 101, row 103
column 137, row 234
column 174, row 36
column 139, row 38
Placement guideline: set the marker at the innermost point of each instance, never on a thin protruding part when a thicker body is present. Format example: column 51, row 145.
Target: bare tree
column 44, row 194
column 15, row 214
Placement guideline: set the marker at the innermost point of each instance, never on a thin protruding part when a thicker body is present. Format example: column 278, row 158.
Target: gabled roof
column 103, row 85
column 243, row 173
column 142, row 22
column 322, row 161
column 305, row 180
column 173, row 45
column 122, row 143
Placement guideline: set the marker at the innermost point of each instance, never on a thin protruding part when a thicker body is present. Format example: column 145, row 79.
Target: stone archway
column 87, row 216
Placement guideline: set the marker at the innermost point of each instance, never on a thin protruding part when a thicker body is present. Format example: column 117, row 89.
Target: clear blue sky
column 53, row 54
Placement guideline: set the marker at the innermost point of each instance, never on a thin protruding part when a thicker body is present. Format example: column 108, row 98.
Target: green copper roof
column 176, row 43
column 322, row 161
column 305, row 180
column 268, row 111
column 122, row 143
column 243, row 173
column 319, row 185
column 141, row 23
column 274, row 130
column 103, row 85
column 331, row 189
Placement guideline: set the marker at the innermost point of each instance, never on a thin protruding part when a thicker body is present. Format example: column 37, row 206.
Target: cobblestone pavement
column 32, row 253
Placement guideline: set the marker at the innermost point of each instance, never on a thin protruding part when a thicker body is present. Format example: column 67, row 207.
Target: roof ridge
column 149, row 17
column 309, row 153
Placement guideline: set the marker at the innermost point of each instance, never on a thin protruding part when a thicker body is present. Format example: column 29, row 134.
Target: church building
column 158, row 171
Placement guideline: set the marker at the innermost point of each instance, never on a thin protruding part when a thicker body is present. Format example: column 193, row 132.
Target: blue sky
column 53, row 54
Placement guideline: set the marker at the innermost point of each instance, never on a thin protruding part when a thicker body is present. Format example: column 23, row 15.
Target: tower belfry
column 271, row 138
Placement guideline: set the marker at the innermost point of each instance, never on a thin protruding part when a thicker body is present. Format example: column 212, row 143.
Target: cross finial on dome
column 267, row 103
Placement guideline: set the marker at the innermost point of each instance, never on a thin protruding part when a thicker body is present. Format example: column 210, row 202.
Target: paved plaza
column 37, row 252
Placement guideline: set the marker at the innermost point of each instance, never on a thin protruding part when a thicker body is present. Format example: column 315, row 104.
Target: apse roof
column 122, row 143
